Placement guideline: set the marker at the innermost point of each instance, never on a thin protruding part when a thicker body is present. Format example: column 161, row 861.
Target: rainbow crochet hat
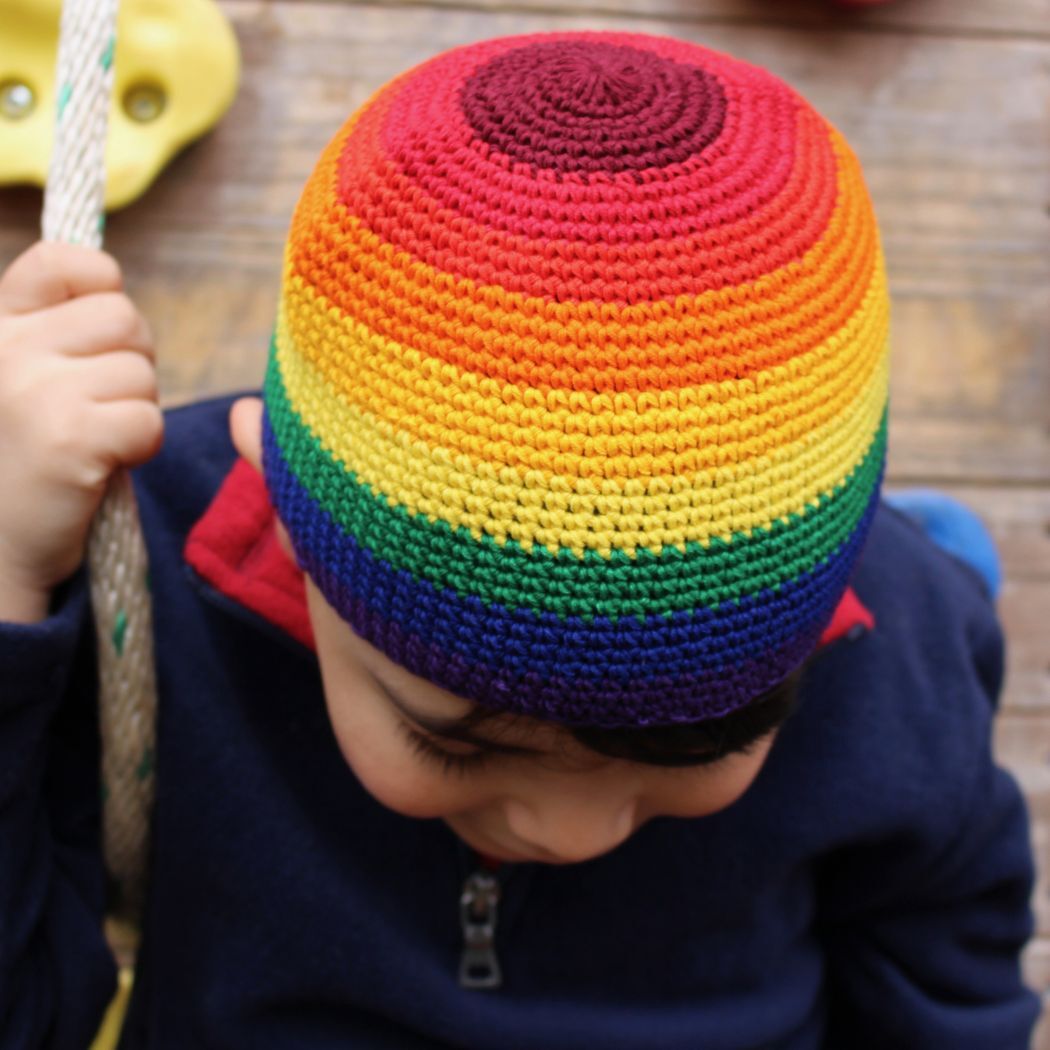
column 576, row 404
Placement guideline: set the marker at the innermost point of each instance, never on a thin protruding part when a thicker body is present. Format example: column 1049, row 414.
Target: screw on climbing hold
column 17, row 99
column 144, row 102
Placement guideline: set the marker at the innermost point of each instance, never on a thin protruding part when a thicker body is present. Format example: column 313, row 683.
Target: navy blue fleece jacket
column 871, row 889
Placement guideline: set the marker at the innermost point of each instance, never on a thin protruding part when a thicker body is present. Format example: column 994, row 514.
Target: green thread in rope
column 145, row 767
column 107, row 55
column 120, row 629
column 63, row 98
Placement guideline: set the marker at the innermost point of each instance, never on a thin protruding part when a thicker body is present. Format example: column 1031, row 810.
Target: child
column 584, row 694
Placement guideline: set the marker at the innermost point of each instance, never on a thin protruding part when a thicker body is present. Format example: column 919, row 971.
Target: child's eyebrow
column 452, row 728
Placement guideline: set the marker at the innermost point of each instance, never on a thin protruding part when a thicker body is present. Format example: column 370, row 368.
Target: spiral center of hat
column 588, row 106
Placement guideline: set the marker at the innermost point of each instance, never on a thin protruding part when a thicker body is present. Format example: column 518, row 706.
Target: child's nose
column 568, row 831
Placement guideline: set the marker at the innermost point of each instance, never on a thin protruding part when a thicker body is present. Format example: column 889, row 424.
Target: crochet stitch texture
column 576, row 403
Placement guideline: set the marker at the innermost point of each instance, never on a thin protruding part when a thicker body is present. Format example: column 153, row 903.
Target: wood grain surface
column 941, row 17
column 946, row 103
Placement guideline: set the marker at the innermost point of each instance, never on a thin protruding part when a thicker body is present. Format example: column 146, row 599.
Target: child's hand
column 78, row 400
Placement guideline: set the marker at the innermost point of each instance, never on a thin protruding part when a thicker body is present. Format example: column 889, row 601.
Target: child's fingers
column 49, row 273
column 128, row 432
column 93, row 324
column 123, row 375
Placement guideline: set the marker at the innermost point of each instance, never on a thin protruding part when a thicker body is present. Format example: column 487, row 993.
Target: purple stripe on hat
column 602, row 703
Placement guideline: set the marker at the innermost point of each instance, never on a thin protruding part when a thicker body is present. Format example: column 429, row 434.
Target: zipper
column 478, row 908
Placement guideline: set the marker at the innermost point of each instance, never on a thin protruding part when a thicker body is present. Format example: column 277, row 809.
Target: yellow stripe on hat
column 792, row 462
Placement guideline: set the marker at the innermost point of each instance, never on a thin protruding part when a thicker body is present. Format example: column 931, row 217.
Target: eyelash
column 455, row 764
column 450, row 762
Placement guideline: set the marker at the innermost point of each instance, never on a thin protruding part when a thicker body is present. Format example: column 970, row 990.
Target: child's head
column 575, row 417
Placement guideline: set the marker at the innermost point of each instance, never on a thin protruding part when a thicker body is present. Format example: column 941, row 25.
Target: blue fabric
column 871, row 889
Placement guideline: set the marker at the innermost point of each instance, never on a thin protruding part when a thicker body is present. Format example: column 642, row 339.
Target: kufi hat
column 576, row 404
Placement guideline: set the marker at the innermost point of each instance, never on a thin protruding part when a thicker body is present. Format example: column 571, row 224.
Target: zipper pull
column 478, row 965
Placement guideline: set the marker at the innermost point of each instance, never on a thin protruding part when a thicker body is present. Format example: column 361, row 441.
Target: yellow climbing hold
column 175, row 74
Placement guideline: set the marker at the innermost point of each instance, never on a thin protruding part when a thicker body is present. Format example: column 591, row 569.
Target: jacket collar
column 234, row 548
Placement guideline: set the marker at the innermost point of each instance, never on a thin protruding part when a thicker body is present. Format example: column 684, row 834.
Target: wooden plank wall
column 948, row 106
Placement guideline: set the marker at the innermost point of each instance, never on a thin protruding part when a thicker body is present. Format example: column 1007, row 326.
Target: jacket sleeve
column 923, row 934
column 56, row 972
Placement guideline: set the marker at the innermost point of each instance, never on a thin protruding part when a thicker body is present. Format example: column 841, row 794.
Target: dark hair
column 689, row 744
column 698, row 742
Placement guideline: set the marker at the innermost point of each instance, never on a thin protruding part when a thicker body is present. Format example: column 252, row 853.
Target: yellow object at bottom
column 112, row 1023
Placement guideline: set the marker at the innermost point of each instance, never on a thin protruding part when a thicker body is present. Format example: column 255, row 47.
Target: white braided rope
column 73, row 212
column 84, row 84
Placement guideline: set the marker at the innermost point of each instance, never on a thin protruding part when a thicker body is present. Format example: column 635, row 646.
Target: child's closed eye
column 450, row 761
